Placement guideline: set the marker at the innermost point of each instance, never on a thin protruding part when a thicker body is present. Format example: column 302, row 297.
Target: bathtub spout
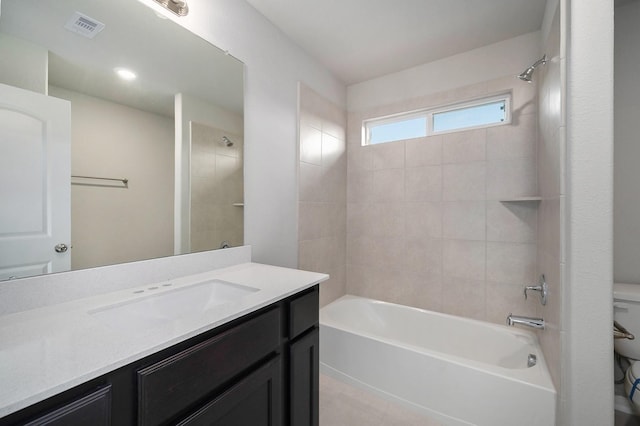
column 528, row 321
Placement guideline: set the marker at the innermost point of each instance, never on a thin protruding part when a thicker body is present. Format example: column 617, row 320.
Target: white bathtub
column 455, row 370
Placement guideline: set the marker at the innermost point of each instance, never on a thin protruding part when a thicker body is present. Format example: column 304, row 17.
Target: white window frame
column 429, row 115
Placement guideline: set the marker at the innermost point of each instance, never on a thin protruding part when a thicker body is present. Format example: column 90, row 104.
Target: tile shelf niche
column 521, row 199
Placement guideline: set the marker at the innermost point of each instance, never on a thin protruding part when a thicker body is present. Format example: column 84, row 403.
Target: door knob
column 61, row 248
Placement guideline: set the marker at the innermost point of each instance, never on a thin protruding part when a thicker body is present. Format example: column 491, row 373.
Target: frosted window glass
column 399, row 130
column 473, row 116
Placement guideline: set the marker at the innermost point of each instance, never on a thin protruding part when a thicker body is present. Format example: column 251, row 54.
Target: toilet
column 626, row 311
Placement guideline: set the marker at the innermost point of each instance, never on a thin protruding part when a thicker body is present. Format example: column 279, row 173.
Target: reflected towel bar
column 125, row 181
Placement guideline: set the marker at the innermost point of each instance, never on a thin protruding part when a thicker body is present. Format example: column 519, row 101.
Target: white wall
column 626, row 222
column 509, row 57
column 23, row 64
column 115, row 224
column 274, row 65
column 587, row 297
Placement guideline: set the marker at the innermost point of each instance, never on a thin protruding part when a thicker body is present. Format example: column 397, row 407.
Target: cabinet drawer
column 92, row 409
column 170, row 386
column 303, row 313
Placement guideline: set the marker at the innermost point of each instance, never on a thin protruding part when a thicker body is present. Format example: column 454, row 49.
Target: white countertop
column 51, row 349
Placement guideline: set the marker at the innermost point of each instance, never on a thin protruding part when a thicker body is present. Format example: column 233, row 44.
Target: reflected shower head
column 226, row 141
column 527, row 75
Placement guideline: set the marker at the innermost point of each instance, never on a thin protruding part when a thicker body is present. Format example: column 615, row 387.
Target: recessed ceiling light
column 125, row 74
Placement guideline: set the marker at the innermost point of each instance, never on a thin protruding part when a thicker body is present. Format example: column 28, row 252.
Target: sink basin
column 170, row 305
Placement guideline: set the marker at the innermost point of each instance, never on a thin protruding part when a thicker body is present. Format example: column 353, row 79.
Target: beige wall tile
column 322, row 192
column 463, row 181
column 524, row 99
column 387, row 220
column 333, row 150
column 439, row 197
column 427, row 290
column 512, row 222
column 310, row 145
column 360, row 187
column 360, row 250
column 388, row 185
column 423, row 183
column 310, row 179
column 359, row 158
column 511, row 178
column 511, row 263
column 464, row 259
column 423, row 220
column 505, row 298
column 423, row 256
column 359, row 219
column 550, row 232
column 388, row 155
column 359, row 280
column 464, row 297
column 423, row 151
column 551, row 159
column 516, row 140
column 332, row 184
column 334, row 122
column 464, row 220
column 464, row 147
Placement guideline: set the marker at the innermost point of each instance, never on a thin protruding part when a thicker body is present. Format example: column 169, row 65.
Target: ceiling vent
column 84, row 25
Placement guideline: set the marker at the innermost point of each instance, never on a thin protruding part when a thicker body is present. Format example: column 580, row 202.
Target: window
column 480, row 113
column 399, row 128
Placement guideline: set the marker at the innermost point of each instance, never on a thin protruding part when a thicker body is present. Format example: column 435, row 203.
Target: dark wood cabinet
column 91, row 409
column 304, row 377
column 167, row 387
column 304, row 360
column 255, row 400
column 260, row 369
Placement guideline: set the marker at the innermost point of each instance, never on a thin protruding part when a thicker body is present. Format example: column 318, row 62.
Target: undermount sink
column 170, row 305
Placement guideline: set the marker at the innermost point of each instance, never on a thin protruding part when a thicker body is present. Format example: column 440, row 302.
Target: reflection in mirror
column 169, row 140
column 216, row 188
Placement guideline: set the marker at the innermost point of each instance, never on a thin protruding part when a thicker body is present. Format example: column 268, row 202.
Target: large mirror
column 98, row 169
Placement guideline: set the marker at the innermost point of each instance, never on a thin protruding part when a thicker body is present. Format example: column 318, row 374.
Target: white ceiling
column 362, row 39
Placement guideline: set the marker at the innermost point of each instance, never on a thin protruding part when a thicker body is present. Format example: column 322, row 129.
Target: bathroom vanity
column 250, row 360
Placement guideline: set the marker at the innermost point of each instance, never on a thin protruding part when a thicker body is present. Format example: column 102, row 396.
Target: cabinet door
column 304, row 379
column 255, row 400
column 93, row 409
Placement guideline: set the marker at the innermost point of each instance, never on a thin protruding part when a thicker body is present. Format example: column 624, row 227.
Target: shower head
column 527, row 75
column 226, row 141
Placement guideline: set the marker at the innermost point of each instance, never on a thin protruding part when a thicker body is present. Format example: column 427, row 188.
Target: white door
column 35, row 188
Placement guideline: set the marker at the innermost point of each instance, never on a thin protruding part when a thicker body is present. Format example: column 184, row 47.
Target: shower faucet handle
column 541, row 287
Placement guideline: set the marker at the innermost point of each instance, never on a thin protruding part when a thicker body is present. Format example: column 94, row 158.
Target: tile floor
column 622, row 419
column 344, row 405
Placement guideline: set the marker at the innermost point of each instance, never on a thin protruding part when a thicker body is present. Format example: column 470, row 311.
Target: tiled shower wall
column 322, row 192
column 216, row 185
column 427, row 224
column 551, row 170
